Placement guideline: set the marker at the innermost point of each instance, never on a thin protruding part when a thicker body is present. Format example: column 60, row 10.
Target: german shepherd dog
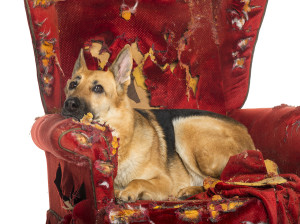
column 162, row 153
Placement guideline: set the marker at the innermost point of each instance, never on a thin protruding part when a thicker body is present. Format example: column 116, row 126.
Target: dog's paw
column 116, row 192
column 189, row 191
column 127, row 195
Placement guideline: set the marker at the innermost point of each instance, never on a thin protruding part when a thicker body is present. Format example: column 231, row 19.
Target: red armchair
column 187, row 54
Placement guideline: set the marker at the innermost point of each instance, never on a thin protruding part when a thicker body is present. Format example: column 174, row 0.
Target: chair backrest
column 187, row 53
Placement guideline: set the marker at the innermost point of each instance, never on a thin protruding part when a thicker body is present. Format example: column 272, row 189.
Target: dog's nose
column 72, row 104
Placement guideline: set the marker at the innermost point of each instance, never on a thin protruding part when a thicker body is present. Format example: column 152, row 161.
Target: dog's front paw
column 128, row 195
column 189, row 191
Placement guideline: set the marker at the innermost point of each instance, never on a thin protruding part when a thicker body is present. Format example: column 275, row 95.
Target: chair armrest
column 85, row 153
column 275, row 133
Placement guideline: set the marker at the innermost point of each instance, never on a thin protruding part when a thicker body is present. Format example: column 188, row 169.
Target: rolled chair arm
column 47, row 133
column 275, row 132
column 78, row 153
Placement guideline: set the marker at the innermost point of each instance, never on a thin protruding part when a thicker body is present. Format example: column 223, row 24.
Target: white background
column 23, row 184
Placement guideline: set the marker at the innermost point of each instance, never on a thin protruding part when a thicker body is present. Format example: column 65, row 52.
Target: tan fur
column 203, row 144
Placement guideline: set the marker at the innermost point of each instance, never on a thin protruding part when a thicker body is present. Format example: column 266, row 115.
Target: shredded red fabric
column 281, row 202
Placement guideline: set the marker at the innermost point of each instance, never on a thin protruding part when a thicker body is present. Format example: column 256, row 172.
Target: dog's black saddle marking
column 165, row 119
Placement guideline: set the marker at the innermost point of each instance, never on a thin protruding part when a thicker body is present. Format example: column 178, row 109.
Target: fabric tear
column 105, row 184
column 100, row 52
column 239, row 63
column 75, row 195
column 82, row 139
column 126, row 11
column 215, row 208
column 291, row 128
column 189, row 215
column 248, row 8
column 45, row 3
column 106, row 168
column 128, row 214
column 244, row 43
column 273, row 181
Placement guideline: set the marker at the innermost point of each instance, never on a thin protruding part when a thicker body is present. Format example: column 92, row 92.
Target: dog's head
column 98, row 92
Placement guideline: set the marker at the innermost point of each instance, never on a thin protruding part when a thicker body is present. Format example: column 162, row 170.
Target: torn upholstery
column 187, row 54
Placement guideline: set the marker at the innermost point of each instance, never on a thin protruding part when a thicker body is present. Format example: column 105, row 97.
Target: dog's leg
column 208, row 155
column 154, row 189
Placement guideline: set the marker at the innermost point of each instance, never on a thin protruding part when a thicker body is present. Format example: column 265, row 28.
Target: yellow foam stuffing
column 271, row 167
column 82, row 139
column 99, row 127
column 126, row 14
column 123, row 215
column 210, row 182
column 191, row 214
column 268, row 181
column 216, row 197
column 87, row 118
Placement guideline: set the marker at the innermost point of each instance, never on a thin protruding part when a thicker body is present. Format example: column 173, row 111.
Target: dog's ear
column 121, row 68
column 80, row 64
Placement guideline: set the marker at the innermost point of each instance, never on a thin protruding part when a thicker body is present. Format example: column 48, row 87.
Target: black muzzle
column 74, row 107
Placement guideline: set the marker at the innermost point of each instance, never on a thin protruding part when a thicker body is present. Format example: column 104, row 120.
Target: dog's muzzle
column 74, row 107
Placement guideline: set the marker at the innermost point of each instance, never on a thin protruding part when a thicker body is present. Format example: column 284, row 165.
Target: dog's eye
column 98, row 89
column 73, row 85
